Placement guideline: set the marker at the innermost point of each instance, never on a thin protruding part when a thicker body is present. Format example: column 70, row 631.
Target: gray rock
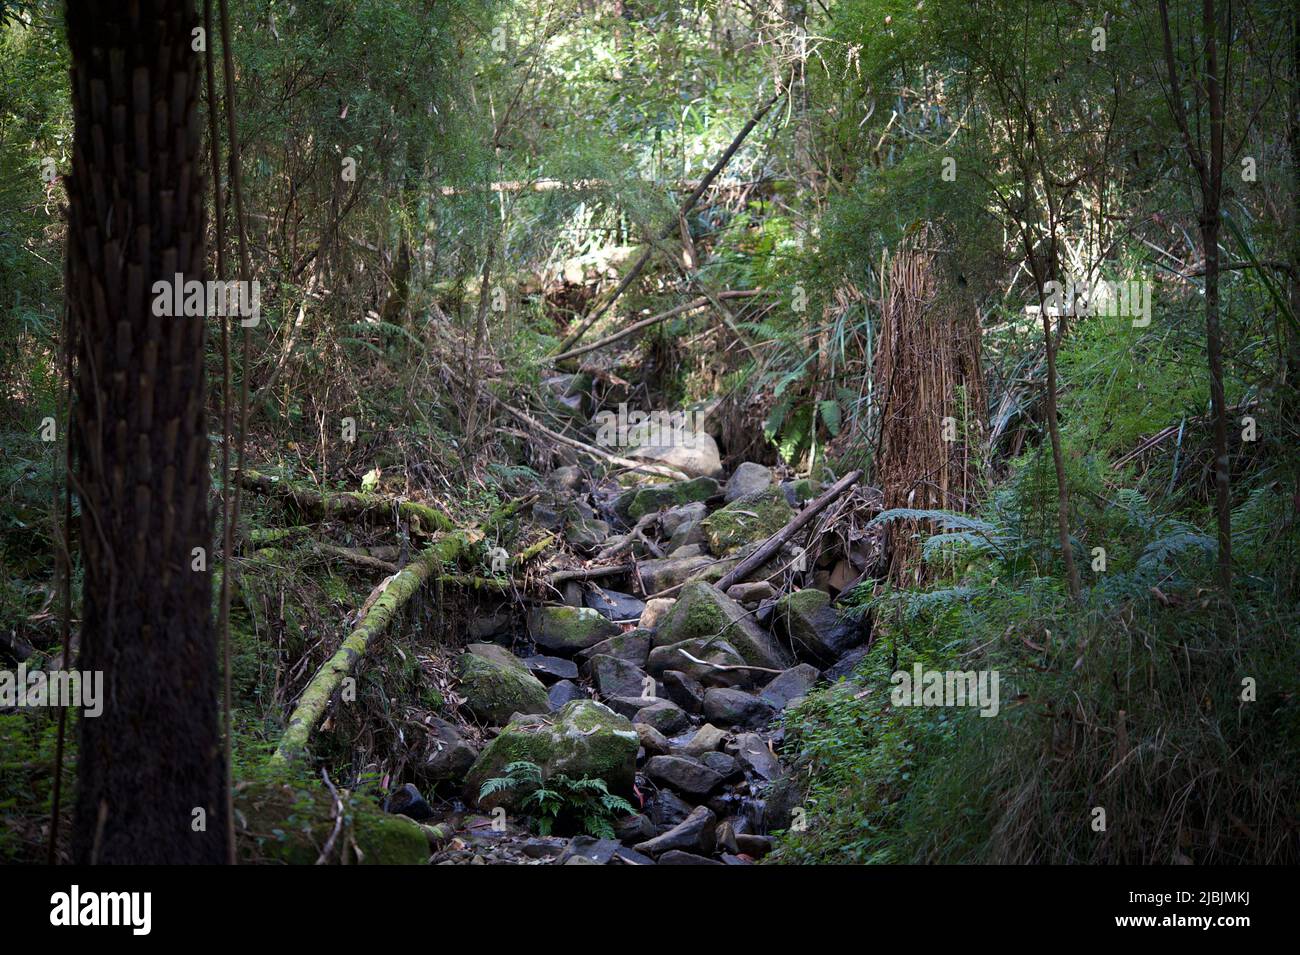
column 748, row 478
column 599, row 851
column 815, row 629
column 753, row 845
column 665, row 716
column 568, row 629
column 652, row 741
column 660, row 575
column 614, row 677
column 629, row 706
column 845, row 666
column 693, row 831
column 722, row 764
column 586, row 535
column 614, row 605
column 667, row 810
column 564, row 692
column 684, row 690
column 686, row 775
column 567, row 478
column 632, row 647
column 496, row 684
column 791, row 685
column 684, row 514
column 408, row 802
column 550, row 669
column 639, row 501
column 626, row 856
column 654, row 611
column 452, row 755
column 728, row 707
column 695, row 454
column 753, row 592
column 673, row 657
column 754, row 756
column 633, row 829
column 707, row 739
column 677, row 857
column 702, row 611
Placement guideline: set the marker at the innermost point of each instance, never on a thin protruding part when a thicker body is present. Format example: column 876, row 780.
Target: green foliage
column 585, row 803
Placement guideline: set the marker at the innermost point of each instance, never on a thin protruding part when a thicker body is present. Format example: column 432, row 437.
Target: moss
column 805, row 489
column 637, row 503
column 290, row 823
column 569, row 629
column 746, row 520
column 494, row 689
column 702, row 612
column 584, row 739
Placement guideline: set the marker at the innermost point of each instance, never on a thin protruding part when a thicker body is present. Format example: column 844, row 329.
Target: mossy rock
column 747, row 520
column 496, row 685
column 289, row 823
column 641, row 501
column 583, row 739
column 702, row 611
column 569, row 629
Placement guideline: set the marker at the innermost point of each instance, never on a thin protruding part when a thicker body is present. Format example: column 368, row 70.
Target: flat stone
column 632, row 647
column 677, row 857
column 598, row 851
column 550, row 669
column 614, row 605
column 684, row 774
column 564, row 692
column 753, row 755
column 707, row 739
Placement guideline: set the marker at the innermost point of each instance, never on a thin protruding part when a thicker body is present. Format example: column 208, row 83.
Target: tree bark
column 150, row 769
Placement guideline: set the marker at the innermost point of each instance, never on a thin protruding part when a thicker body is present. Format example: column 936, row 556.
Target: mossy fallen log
column 354, row 505
column 399, row 589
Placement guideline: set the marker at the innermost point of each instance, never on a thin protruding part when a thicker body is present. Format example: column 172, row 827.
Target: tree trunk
column 150, row 770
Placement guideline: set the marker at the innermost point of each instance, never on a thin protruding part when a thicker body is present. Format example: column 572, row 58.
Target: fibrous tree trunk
column 150, row 768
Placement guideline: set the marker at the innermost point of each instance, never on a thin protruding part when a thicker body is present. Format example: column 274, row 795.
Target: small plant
column 585, row 803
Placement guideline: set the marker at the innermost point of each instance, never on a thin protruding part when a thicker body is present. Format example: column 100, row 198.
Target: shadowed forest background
column 979, row 320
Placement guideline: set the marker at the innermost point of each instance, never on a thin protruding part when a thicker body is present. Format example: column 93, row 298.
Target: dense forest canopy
column 807, row 432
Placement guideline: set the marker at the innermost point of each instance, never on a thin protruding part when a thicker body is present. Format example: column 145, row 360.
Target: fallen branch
column 726, row 666
column 690, row 306
column 773, row 543
column 687, row 204
column 399, row 589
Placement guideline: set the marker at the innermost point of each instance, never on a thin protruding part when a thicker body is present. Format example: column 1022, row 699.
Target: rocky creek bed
column 649, row 678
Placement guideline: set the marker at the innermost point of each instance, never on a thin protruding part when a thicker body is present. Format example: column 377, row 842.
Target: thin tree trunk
column 150, row 767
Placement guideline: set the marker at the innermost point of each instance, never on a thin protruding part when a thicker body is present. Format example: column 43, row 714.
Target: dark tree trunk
column 153, row 758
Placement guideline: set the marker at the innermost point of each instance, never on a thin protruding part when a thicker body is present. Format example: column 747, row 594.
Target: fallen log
column 773, row 543
column 343, row 504
column 396, row 592
column 636, row 326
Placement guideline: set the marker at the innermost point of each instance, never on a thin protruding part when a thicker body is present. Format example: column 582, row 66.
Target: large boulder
column 638, row 502
column 614, row 605
column 569, row 629
column 695, row 454
column 814, row 628
column 749, row 478
column 684, row 774
column 711, row 651
column 496, row 684
column 747, row 520
column 703, row 611
column 727, row 707
column 584, row 739
column 451, row 754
